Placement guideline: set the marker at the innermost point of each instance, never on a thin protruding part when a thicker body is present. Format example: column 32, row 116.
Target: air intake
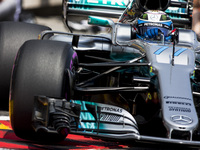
column 153, row 4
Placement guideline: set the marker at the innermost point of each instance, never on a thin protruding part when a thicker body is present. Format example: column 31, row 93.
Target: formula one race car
column 112, row 86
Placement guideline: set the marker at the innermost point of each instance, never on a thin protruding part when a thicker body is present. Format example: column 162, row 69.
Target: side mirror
column 100, row 21
column 104, row 22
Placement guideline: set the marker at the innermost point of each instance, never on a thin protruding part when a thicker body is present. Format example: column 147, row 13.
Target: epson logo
column 178, row 103
column 179, row 109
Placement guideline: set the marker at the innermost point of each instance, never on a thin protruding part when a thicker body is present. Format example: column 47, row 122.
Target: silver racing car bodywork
column 177, row 103
column 174, row 66
column 123, row 88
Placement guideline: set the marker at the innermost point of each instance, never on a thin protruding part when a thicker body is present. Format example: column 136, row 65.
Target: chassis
column 107, row 86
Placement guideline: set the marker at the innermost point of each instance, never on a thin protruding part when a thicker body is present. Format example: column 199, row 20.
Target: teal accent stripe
column 119, row 3
column 177, row 53
column 160, row 50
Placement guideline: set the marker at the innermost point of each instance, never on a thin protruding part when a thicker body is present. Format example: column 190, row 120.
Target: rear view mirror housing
column 100, row 21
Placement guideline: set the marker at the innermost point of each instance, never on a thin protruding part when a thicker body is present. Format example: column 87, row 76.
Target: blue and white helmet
column 154, row 19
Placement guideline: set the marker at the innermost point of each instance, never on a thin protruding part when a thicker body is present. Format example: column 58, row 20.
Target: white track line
column 4, row 118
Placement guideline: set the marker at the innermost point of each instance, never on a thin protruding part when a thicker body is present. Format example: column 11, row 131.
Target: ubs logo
column 181, row 119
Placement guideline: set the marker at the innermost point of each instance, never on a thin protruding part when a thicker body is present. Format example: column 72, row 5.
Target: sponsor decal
column 178, row 103
column 111, row 109
column 181, row 119
column 179, row 109
column 88, row 121
column 153, row 24
column 177, row 97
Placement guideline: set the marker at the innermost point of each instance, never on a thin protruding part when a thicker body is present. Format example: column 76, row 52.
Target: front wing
column 92, row 119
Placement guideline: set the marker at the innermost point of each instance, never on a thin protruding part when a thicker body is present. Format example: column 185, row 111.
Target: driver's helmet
column 154, row 19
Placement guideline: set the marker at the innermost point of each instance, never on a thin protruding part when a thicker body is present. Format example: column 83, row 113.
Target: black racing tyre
column 12, row 36
column 40, row 69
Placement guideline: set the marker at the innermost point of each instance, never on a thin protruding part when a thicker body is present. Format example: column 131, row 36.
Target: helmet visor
column 142, row 30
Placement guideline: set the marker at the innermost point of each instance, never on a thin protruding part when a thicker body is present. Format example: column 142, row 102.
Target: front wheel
column 39, row 69
column 12, row 36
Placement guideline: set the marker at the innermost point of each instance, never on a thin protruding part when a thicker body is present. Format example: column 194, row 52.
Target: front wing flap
column 82, row 117
column 94, row 120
